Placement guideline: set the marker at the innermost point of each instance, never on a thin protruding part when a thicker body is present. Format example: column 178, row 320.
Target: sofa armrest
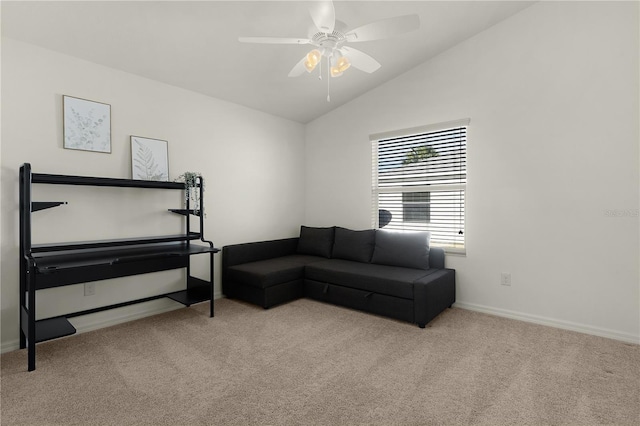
column 433, row 294
column 436, row 257
column 238, row 254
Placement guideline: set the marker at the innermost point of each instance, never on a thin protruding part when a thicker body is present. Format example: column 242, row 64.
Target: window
column 416, row 207
column 419, row 182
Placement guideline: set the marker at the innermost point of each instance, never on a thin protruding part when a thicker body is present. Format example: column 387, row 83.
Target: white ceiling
column 194, row 44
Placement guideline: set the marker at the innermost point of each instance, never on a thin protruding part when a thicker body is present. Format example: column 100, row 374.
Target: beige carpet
column 311, row 363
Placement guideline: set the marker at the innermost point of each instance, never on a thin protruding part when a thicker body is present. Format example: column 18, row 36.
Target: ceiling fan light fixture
column 313, row 58
column 343, row 63
column 339, row 66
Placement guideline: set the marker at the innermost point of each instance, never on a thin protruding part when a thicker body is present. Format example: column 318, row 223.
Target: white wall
column 251, row 161
column 552, row 94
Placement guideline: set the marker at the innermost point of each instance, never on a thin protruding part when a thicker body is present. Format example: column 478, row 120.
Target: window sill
column 455, row 251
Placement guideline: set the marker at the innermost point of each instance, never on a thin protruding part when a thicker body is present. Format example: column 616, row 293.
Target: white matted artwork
column 87, row 124
column 149, row 159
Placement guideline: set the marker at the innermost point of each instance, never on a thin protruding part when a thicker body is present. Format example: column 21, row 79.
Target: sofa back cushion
column 407, row 249
column 316, row 241
column 353, row 245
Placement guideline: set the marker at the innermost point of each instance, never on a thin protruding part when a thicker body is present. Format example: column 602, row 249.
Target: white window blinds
column 419, row 181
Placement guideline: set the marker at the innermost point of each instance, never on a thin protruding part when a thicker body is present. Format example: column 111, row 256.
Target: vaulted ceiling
column 194, row 44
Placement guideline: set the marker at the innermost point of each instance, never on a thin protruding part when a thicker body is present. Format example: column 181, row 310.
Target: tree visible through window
column 419, row 178
column 420, row 153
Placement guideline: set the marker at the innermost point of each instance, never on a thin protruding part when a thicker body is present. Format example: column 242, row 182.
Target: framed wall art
column 149, row 159
column 87, row 124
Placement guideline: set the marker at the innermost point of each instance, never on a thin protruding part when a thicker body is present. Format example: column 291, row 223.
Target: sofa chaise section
column 265, row 273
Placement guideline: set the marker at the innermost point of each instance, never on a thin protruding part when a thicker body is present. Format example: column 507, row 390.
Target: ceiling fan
column 329, row 38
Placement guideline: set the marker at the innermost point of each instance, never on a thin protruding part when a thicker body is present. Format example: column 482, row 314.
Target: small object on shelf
column 193, row 188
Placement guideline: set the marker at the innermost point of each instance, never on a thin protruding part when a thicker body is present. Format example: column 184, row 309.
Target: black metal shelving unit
column 54, row 265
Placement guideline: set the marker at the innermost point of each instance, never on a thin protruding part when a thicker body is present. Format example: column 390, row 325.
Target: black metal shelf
column 119, row 242
column 53, row 328
column 42, row 205
column 66, row 263
column 102, row 181
column 192, row 295
column 185, row 212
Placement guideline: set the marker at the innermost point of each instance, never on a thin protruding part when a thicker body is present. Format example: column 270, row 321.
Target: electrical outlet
column 89, row 289
column 505, row 278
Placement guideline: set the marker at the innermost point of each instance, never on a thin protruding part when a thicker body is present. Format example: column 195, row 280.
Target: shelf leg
column 31, row 321
column 211, row 284
column 23, row 302
column 25, row 241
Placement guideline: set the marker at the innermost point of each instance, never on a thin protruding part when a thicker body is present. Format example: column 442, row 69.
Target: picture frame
column 86, row 125
column 149, row 159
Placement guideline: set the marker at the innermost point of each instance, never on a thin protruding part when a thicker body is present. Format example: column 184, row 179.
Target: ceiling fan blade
column 385, row 28
column 299, row 68
column 360, row 60
column 323, row 15
column 274, row 40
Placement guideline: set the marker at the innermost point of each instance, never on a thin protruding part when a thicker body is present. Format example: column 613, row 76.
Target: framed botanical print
column 87, row 124
column 149, row 159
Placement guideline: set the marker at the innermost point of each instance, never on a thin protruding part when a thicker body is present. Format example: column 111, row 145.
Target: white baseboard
column 94, row 324
column 118, row 316
column 551, row 322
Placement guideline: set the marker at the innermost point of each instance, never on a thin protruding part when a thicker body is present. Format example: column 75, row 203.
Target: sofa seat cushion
column 382, row 279
column 270, row 272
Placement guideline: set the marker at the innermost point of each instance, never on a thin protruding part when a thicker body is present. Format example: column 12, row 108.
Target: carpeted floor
column 311, row 363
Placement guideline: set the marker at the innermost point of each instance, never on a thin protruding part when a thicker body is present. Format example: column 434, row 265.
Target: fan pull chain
column 320, row 69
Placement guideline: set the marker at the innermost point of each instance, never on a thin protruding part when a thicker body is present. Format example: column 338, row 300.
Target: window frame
column 461, row 188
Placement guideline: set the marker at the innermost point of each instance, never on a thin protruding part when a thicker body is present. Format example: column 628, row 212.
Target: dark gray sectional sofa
column 395, row 274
